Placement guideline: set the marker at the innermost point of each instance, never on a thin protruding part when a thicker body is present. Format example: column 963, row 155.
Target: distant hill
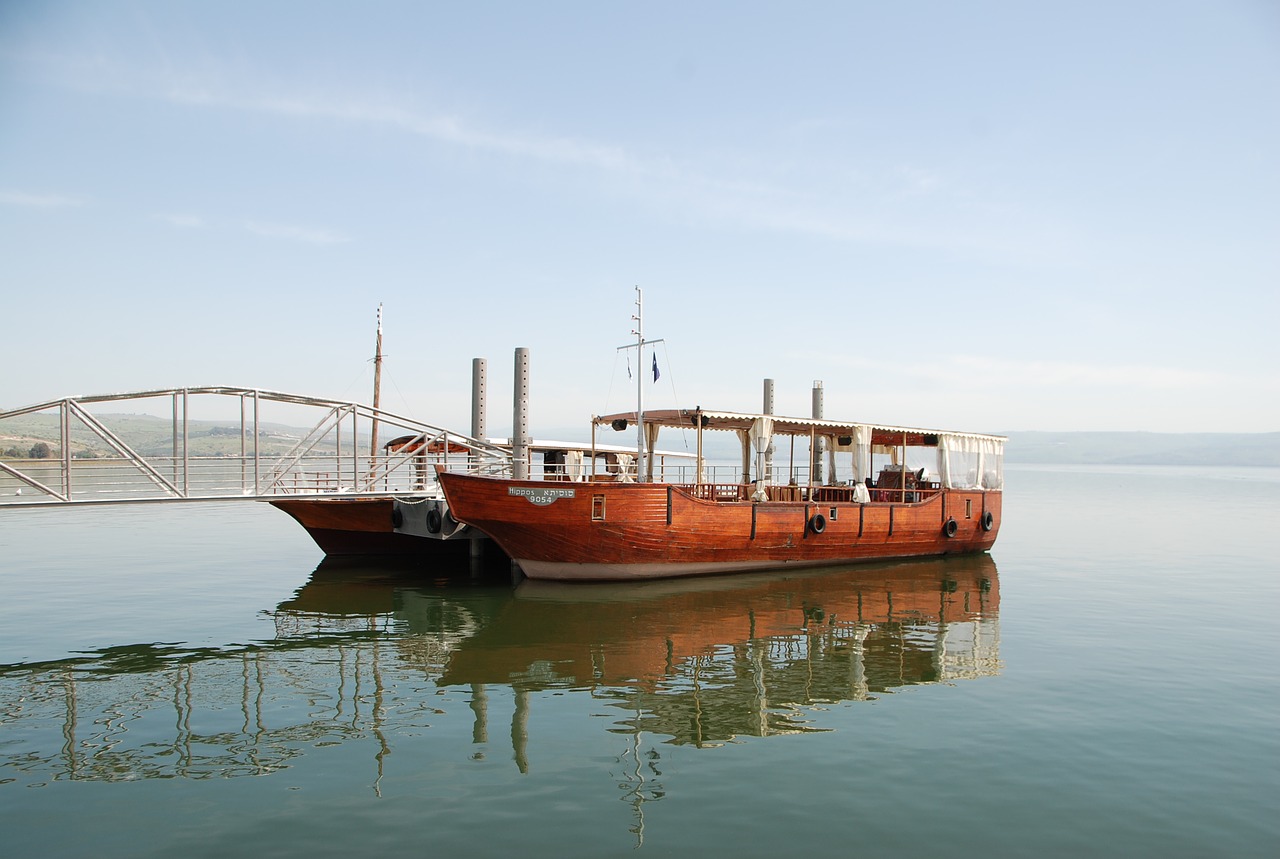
column 1143, row 448
column 146, row 434
column 152, row 436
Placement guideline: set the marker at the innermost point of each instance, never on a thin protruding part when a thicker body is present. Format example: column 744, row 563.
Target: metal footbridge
column 222, row 443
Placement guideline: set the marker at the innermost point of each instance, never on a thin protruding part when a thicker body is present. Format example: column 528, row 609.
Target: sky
column 983, row 216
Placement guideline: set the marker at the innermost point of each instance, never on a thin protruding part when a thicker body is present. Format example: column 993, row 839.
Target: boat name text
column 541, row 497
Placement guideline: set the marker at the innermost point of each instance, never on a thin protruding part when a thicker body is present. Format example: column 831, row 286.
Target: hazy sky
column 983, row 216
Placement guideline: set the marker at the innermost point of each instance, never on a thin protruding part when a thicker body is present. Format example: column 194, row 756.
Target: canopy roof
column 544, row 445
column 881, row 434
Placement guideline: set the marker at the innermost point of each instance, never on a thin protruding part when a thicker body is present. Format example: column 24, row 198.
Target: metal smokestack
column 479, row 399
column 520, row 417
column 767, row 476
column 819, row 442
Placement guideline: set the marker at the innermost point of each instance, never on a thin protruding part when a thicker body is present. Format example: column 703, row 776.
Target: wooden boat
column 412, row 521
column 935, row 493
column 368, row 526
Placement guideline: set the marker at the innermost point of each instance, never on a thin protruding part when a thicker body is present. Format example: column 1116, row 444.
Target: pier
column 222, row 443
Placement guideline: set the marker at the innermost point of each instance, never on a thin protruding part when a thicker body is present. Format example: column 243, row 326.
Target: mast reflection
column 693, row 662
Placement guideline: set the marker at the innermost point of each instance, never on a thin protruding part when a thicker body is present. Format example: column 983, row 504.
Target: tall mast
column 639, row 332
column 641, row 448
column 377, row 386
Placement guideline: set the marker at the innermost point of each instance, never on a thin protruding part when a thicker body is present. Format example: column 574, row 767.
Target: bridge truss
column 222, row 443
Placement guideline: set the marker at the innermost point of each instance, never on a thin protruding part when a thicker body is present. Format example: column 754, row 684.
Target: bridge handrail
column 185, row 476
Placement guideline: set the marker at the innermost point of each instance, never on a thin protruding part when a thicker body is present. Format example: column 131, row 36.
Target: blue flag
column 656, row 374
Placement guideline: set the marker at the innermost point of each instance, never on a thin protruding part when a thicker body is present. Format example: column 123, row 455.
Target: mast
column 639, row 332
column 641, row 447
column 377, row 387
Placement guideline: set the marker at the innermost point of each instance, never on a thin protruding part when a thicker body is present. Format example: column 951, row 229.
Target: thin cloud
column 180, row 220
column 295, row 233
column 751, row 203
column 721, row 195
column 441, row 127
column 39, row 201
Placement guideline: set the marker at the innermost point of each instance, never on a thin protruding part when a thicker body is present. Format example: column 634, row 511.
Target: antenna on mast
column 642, row 473
column 377, row 387
column 639, row 332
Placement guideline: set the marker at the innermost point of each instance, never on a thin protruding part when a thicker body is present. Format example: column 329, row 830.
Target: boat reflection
column 705, row 661
column 695, row 662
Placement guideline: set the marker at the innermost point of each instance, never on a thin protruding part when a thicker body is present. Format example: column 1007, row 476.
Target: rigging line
column 608, row 397
column 361, row 378
column 671, row 380
column 404, row 402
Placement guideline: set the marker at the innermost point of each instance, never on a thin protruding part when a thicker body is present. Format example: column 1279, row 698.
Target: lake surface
column 196, row 680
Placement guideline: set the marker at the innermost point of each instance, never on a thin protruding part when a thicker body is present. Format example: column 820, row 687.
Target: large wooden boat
column 907, row 493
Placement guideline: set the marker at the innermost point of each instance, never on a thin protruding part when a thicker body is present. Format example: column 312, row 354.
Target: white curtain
column 758, row 438
column 760, row 433
column 573, row 465
column 626, row 468
column 861, row 454
column 970, row 462
column 860, row 446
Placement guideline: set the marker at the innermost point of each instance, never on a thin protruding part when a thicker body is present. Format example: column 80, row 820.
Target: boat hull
column 364, row 526
column 619, row 531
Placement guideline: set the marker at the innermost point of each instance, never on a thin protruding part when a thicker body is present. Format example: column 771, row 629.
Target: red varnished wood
column 635, row 529
column 362, row 526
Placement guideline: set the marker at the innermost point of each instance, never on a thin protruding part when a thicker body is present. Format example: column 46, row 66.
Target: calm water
column 195, row 679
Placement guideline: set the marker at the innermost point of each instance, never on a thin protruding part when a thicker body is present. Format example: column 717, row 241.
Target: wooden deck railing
column 817, row 494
